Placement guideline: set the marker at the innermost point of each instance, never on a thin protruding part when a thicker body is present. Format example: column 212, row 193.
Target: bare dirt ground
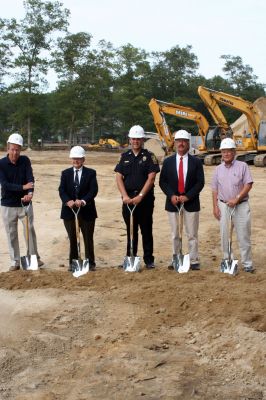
column 115, row 335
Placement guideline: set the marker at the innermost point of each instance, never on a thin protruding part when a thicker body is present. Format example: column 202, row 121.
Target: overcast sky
column 211, row 27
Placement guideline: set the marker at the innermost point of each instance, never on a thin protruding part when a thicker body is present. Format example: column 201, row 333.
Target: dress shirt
column 185, row 165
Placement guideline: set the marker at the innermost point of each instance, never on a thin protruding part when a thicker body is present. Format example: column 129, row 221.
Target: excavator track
column 260, row 160
column 212, row 159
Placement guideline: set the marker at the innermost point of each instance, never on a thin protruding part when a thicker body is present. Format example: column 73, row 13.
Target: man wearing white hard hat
column 135, row 177
column 78, row 189
column 181, row 180
column 17, row 187
column 231, row 184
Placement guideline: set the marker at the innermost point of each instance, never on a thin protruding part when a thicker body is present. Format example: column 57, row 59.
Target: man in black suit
column 182, row 179
column 78, row 188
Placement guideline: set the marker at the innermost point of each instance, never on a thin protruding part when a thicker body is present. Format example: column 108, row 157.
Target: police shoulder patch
column 154, row 159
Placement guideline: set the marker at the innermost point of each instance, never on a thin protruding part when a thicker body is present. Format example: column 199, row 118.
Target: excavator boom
column 213, row 107
column 159, row 108
column 211, row 98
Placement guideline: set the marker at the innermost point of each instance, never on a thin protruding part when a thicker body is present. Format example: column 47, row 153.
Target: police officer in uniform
column 135, row 177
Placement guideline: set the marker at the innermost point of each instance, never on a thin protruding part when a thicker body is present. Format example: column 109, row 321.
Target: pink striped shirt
column 229, row 181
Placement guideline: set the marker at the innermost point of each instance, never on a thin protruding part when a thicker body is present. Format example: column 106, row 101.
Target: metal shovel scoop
column 79, row 267
column 230, row 265
column 181, row 262
column 131, row 263
column 28, row 262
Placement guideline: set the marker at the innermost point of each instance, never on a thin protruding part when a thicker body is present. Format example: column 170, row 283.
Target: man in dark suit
column 182, row 179
column 78, row 188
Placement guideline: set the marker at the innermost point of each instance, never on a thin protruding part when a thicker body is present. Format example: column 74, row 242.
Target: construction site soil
column 110, row 334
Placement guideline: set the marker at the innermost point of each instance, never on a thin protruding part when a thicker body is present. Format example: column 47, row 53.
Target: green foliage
column 103, row 90
column 29, row 42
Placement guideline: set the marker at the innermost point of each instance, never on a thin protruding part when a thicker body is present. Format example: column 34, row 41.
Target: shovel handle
column 77, row 229
column 27, row 236
column 231, row 212
column 131, row 231
column 180, row 210
column 25, row 207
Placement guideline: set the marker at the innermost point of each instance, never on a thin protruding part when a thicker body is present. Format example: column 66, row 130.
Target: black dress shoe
column 92, row 267
column 150, row 266
column 250, row 270
column 195, row 267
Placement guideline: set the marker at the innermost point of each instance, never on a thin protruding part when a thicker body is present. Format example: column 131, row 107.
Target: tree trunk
column 29, row 131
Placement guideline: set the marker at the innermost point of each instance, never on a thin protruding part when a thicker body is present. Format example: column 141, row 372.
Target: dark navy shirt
column 12, row 179
column 135, row 169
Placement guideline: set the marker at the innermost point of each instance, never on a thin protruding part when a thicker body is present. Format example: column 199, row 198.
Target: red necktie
column 181, row 185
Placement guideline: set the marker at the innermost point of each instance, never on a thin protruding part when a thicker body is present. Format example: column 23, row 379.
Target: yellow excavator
column 249, row 144
column 159, row 108
column 109, row 143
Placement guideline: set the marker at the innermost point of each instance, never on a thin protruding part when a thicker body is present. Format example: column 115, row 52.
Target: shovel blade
column 80, row 267
column 131, row 264
column 185, row 265
column 29, row 263
column 229, row 267
column 181, row 263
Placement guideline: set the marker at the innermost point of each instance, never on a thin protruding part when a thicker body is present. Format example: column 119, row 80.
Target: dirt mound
column 155, row 147
column 121, row 335
column 240, row 126
column 115, row 335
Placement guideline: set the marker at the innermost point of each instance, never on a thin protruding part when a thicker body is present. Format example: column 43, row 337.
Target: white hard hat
column 136, row 132
column 77, row 152
column 227, row 143
column 182, row 134
column 15, row 138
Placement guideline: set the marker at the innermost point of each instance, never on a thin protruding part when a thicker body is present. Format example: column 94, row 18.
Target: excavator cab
column 262, row 136
column 214, row 137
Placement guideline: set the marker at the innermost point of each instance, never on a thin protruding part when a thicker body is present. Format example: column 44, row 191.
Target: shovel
column 230, row 266
column 28, row 262
column 78, row 266
column 131, row 263
column 181, row 262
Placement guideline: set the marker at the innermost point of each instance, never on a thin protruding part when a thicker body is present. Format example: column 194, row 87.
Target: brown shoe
column 14, row 268
column 40, row 263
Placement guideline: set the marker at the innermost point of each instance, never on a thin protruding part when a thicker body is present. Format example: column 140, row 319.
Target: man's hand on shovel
column 27, row 198
column 136, row 200
column 182, row 198
column 232, row 202
column 127, row 200
column 70, row 203
column 79, row 203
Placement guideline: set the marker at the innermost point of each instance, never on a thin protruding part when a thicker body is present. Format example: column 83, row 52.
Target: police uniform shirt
column 135, row 169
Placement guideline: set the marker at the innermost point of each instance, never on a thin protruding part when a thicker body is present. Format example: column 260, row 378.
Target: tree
column 131, row 87
column 241, row 78
column 85, row 82
column 30, row 40
column 172, row 71
column 5, row 53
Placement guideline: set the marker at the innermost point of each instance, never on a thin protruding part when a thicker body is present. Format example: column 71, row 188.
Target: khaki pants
column 191, row 223
column 242, row 223
column 10, row 216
